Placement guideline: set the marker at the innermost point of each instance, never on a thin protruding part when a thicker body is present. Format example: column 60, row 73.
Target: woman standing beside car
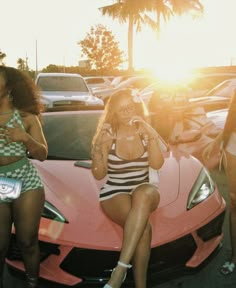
column 124, row 147
column 21, row 190
column 227, row 140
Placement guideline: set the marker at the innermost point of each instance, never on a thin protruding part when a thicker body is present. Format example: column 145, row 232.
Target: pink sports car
column 80, row 245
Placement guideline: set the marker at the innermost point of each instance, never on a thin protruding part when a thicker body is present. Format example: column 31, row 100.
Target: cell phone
column 83, row 164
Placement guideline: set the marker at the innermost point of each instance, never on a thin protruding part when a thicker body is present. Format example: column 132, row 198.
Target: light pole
column 36, row 58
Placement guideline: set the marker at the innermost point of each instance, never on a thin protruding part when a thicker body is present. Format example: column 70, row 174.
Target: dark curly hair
column 25, row 93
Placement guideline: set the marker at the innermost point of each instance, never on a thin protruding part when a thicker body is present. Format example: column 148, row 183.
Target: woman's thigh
column 5, row 223
column 146, row 195
column 231, row 174
column 117, row 208
column 27, row 211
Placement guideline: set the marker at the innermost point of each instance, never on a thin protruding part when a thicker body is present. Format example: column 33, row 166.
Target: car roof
column 53, row 74
column 229, row 83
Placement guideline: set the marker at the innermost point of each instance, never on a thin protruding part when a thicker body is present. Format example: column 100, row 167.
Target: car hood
column 62, row 96
column 75, row 193
column 65, row 93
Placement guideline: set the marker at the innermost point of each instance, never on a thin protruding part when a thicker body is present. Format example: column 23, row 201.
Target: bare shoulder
column 29, row 119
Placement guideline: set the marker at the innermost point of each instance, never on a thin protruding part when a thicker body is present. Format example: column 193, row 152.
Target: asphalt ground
column 207, row 277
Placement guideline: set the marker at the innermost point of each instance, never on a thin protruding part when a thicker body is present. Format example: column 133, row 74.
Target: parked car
column 98, row 82
column 65, row 89
column 204, row 82
column 224, row 89
column 134, row 82
column 79, row 245
column 218, row 117
column 209, row 103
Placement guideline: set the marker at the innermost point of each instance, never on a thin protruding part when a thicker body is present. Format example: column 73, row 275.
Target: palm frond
column 180, row 7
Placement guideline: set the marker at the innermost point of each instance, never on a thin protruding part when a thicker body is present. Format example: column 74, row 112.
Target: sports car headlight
column 53, row 213
column 202, row 189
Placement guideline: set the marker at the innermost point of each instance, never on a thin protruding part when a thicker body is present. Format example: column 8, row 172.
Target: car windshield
column 69, row 135
column 59, row 83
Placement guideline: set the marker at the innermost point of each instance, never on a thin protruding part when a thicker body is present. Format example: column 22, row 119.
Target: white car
column 202, row 83
column 98, row 82
column 224, row 89
column 218, row 117
column 134, row 82
column 65, row 89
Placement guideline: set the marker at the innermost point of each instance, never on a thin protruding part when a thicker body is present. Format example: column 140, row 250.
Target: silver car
column 65, row 89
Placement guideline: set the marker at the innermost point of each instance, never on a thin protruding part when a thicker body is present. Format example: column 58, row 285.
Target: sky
column 53, row 28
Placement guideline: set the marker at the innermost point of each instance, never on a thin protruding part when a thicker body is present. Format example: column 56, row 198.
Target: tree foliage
column 101, row 49
column 2, row 56
column 22, row 64
column 137, row 13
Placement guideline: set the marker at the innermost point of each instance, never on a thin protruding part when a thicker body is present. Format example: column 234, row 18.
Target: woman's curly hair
column 25, row 93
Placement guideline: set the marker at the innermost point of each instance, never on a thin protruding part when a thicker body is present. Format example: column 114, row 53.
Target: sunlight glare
column 172, row 74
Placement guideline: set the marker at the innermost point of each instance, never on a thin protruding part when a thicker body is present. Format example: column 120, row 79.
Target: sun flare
column 173, row 56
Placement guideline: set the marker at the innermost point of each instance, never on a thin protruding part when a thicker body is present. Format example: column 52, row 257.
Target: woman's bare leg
column 27, row 213
column 141, row 258
column 231, row 172
column 134, row 220
column 5, row 232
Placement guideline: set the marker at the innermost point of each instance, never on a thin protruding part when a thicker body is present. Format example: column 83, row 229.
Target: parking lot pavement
column 208, row 277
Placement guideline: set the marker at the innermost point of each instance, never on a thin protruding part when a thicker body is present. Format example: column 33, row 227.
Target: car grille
column 96, row 265
column 212, row 229
column 68, row 102
column 46, row 249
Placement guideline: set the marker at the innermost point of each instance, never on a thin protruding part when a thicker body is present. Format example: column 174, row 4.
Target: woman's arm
column 156, row 159
column 32, row 136
column 100, row 152
column 99, row 161
column 34, row 139
column 155, row 155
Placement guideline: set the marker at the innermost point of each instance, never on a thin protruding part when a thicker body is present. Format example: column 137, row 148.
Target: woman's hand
column 14, row 134
column 146, row 128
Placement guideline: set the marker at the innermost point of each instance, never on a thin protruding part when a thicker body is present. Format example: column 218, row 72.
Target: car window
column 69, row 135
column 59, row 83
column 225, row 89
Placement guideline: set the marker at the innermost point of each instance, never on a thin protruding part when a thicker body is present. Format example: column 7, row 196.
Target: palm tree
column 127, row 11
column 136, row 14
column 2, row 56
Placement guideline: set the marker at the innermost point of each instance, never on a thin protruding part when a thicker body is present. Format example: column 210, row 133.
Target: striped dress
column 124, row 175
